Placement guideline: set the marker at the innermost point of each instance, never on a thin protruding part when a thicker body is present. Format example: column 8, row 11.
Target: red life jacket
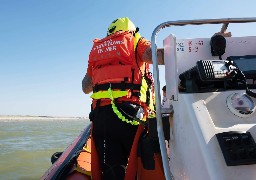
column 114, row 65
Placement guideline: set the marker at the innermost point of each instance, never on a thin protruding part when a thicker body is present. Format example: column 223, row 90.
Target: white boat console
column 213, row 97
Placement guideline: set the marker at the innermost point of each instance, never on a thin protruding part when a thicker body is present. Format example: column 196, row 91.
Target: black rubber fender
column 55, row 156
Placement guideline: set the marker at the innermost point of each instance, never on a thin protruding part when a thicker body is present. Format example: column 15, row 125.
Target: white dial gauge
column 241, row 104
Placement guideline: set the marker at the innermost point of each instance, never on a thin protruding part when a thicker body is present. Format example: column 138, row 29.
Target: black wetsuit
column 113, row 139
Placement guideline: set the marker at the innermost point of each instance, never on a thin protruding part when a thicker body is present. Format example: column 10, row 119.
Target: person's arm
column 87, row 84
column 147, row 56
column 223, row 31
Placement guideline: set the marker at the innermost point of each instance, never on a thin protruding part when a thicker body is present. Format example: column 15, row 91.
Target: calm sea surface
column 26, row 146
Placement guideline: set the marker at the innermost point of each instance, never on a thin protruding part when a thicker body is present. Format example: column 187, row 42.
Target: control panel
column 238, row 148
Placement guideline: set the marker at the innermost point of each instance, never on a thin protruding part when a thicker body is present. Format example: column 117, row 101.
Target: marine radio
column 218, row 75
column 212, row 70
column 206, row 74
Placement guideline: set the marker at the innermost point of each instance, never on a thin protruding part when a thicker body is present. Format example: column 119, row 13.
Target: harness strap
column 148, row 97
column 118, row 113
column 132, row 88
column 132, row 166
column 132, row 117
column 104, row 87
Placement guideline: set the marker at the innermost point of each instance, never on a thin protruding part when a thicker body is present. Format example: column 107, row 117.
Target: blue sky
column 44, row 44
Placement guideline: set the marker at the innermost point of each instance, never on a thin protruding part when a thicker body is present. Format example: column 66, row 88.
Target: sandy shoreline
column 26, row 118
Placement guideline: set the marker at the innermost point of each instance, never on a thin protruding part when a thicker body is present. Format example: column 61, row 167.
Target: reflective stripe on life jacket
column 114, row 65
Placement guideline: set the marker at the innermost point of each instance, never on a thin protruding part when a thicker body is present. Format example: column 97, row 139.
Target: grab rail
column 225, row 21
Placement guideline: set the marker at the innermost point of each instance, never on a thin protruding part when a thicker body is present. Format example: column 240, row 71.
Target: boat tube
column 65, row 164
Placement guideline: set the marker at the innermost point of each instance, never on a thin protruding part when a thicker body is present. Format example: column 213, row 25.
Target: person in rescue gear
column 122, row 99
column 165, row 117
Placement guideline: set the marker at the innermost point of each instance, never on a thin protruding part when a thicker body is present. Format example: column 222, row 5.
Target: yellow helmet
column 121, row 24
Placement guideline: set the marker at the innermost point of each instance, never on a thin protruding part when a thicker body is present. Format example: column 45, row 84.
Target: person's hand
column 224, row 34
column 223, row 31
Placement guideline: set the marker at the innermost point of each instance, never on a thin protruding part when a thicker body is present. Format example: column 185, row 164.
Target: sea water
column 26, row 146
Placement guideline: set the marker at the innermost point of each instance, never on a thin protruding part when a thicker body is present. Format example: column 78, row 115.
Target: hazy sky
column 44, row 44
